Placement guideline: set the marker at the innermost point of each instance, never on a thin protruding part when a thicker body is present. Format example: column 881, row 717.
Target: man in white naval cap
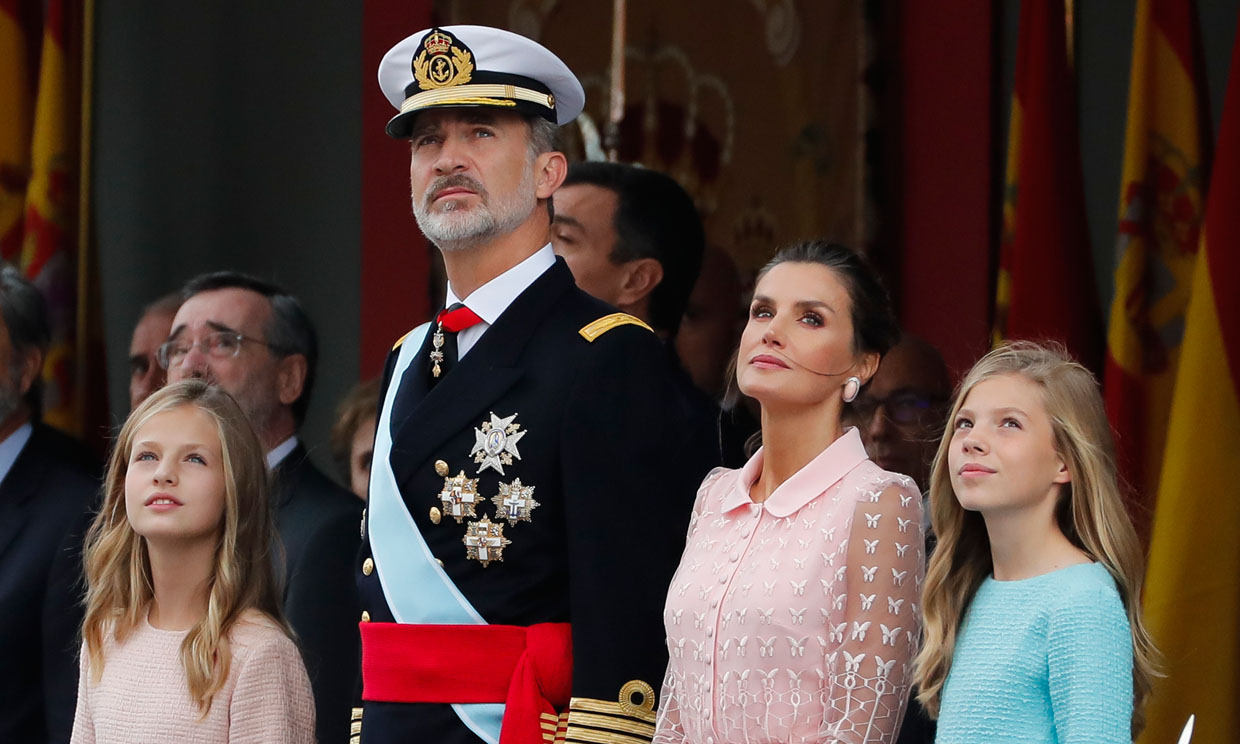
column 530, row 491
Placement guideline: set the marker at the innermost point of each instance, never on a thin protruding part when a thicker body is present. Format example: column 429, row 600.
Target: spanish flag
column 1045, row 288
column 18, row 68
column 1161, row 206
column 1192, row 600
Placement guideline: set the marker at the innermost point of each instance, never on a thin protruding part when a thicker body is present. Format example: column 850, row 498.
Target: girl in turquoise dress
column 1032, row 597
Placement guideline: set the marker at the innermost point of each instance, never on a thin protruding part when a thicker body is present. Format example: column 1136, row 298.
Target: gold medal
column 514, row 502
column 495, row 443
column 437, row 353
column 460, row 496
column 484, row 541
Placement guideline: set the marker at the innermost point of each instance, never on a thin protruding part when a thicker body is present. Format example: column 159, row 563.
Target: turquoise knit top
column 1046, row 659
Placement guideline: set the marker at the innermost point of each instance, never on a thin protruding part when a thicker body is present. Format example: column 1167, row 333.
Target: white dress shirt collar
column 491, row 299
column 12, row 447
column 281, row 451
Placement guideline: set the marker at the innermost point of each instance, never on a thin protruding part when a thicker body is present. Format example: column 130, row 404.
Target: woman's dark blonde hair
column 118, row 568
column 1090, row 514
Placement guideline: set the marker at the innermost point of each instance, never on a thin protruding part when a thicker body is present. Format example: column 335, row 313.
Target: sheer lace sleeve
column 869, row 673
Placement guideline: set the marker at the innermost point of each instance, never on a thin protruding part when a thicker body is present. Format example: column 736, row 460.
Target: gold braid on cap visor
column 483, row 94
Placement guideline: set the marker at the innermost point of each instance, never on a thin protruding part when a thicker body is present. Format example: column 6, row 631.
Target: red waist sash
column 530, row 670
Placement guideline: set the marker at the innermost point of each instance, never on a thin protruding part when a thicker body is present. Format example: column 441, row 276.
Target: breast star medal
column 495, row 443
column 484, row 541
column 514, row 502
column 460, row 496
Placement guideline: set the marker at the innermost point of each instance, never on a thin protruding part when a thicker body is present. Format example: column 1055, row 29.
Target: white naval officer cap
column 473, row 66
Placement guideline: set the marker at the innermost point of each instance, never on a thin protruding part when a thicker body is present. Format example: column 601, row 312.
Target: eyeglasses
column 901, row 408
column 217, row 345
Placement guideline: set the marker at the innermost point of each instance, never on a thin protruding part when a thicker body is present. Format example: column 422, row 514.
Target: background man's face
column 145, row 374
column 901, row 413
column 11, row 368
column 250, row 376
column 584, row 233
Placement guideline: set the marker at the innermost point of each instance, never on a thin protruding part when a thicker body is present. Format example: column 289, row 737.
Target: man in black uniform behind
column 530, row 489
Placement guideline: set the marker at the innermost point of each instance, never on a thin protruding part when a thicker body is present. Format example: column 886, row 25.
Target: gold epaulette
column 629, row 721
column 400, row 341
column 607, row 322
column 355, row 725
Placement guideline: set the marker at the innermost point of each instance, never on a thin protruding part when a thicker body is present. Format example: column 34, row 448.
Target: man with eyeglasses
column 254, row 340
column 901, row 416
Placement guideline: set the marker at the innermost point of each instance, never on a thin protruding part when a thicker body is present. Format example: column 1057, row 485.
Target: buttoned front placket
column 747, row 521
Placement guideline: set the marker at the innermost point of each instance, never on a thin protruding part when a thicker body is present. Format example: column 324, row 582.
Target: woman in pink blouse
column 792, row 617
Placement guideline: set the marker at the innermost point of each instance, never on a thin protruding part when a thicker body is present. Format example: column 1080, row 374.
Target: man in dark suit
column 530, row 488
column 632, row 238
column 254, row 340
column 47, row 486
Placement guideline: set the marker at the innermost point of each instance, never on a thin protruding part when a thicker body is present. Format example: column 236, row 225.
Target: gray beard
column 453, row 228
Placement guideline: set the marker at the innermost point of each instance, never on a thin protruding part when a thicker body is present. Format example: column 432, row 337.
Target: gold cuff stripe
column 484, row 93
column 355, row 740
column 590, row 736
column 625, row 725
column 355, row 728
column 608, row 322
column 593, row 705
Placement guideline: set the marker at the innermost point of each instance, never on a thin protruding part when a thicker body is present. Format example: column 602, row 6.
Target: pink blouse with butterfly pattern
column 795, row 620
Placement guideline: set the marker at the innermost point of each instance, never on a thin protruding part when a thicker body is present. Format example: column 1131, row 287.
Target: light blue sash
column 417, row 589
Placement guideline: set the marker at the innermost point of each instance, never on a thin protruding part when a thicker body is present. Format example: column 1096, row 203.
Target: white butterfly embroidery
column 798, row 616
column 904, row 523
column 870, row 545
column 828, row 559
column 704, row 592
column 769, row 586
column 723, row 654
column 698, row 619
column 741, row 644
column 768, row 678
column 715, row 567
column 889, row 635
column 809, row 523
column 679, row 649
column 684, row 588
column 897, row 577
column 797, row 648
column 826, row 587
column 676, row 616
column 867, row 601
column 852, row 664
column 802, row 544
column 740, row 615
column 697, row 650
column 837, row 632
column 783, row 543
column 798, row 587
column 745, row 589
column 900, row 550
column 829, row 534
column 884, row 667
column 867, row 573
column 838, row 602
column 859, row 630
column 826, row 614
column 905, row 500
column 764, row 616
column 839, row 573
column 767, row 647
column 871, row 520
column 799, row 563
column 774, row 564
column 893, row 605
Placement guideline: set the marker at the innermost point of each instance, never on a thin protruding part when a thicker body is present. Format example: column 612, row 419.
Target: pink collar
column 824, row 471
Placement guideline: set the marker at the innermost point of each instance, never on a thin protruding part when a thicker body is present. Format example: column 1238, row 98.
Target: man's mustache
column 458, row 180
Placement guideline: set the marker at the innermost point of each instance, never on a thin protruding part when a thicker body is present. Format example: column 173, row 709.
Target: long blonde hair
column 118, row 568
column 1090, row 513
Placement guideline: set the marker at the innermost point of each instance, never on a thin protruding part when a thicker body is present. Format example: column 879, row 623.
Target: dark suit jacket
column 608, row 452
column 318, row 525
column 45, row 502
